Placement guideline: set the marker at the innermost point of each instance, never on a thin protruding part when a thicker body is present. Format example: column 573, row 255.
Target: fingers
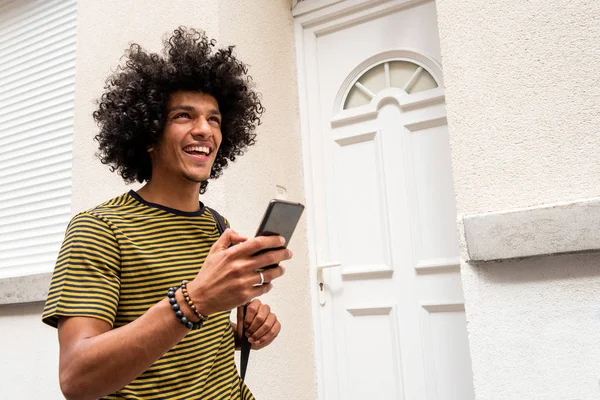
column 273, row 273
column 272, row 257
column 267, row 331
column 257, row 244
column 228, row 238
column 262, row 326
column 252, row 279
column 251, row 312
column 262, row 344
column 257, row 291
column 260, row 317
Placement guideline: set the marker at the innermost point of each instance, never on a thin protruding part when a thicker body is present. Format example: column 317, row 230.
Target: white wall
column 523, row 92
column 263, row 33
column 28, row 354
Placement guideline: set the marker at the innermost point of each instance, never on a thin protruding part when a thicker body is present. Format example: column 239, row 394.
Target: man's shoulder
column 110, row 209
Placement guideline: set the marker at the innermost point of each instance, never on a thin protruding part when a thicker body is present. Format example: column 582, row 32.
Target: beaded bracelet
column 187, row 298
column 179, row 314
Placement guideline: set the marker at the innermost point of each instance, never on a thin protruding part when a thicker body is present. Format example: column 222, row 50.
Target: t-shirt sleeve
column 86, row 279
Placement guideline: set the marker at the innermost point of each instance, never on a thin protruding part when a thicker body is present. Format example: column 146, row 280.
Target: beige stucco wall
column 28, row 354
column 263, row 33
column 265, row 36
column 523, row 93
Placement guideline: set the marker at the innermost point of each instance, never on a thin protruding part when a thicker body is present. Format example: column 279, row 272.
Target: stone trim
column 25, row 289
column 570, row 227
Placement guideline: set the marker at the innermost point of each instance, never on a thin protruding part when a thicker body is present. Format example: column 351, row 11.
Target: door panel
column 360, row 203
column 393, row 325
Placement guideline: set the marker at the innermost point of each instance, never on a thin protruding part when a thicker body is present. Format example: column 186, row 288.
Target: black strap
column 221, row 226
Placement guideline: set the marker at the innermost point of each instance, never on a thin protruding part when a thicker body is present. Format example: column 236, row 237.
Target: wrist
column 179, row 311
column 196, row 292
column 184, row 307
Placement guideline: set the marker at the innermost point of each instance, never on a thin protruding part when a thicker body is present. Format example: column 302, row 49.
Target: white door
column 379, row 182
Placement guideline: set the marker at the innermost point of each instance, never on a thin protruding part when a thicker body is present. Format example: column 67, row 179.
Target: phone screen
column 281, row 220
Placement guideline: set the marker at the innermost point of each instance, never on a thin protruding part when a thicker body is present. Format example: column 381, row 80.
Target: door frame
column 313, row 18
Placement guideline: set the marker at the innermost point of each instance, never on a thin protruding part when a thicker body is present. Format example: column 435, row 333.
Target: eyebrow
column 183, row 107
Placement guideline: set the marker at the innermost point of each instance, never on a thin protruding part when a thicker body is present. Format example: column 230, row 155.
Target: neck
column 172, row 194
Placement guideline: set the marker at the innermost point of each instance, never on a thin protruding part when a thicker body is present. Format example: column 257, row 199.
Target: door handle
column 320, row 282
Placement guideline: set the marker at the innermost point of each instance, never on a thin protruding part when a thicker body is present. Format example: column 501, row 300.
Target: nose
column 201, row 127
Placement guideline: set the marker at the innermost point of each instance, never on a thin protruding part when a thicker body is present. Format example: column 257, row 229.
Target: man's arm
column 96, row 360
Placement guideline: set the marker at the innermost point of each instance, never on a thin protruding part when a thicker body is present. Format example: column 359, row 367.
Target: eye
column 182, row 115
column 216, row 120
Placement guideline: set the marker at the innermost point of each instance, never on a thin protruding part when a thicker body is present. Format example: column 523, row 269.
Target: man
column 127, row 325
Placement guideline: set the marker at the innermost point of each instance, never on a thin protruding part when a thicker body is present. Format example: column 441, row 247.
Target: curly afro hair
column 131, row 113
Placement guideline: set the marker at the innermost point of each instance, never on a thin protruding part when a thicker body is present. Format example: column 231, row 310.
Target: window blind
column 37, row 85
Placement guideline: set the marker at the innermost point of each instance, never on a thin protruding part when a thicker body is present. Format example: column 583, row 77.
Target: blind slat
column 48, row 108
column 31, row 235
column 61, row 76
column 49, row 169
column 37, row 85
column 37, row 101
column 37, row 66
column 22, row 186
column 36, row 159
column 16, row 255
column 13, row 11
column 28, row 14
column 19, row 54
column 58, row 197
column 36, row 130
column 38, row 150
column 8, row 271
column 26, row 260
column 40, row 223
column 63, row 158
column 29, row 58
column 27, row 33
column 38, row 122
column 21, row 80
column 31, row 242
column 54, row 136
column 34, row 215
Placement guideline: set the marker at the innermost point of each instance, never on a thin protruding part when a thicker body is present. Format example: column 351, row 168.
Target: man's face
column 191, row 138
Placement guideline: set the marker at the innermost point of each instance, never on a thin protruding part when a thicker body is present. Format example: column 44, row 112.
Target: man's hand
column 262, row 326
column 229, row 276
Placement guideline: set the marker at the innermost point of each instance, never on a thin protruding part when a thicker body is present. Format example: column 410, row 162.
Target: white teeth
column 199, row 149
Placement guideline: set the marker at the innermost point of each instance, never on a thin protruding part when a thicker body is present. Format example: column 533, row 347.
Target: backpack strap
column 221, row 225
column 245, row 350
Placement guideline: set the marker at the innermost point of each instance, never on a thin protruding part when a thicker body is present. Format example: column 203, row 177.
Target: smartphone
column 280, row 219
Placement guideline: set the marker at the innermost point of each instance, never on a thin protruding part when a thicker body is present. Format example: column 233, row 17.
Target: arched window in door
column 405, row 70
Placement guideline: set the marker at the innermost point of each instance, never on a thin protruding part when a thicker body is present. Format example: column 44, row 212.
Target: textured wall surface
column 523, row 91
column 29, row 354
column 522, row 96
column 104, row 31
column 263, row 34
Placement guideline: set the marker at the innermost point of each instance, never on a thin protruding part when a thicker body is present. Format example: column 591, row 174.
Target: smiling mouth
column 198, row 151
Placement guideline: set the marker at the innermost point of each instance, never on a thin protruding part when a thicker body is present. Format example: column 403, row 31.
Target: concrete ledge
column 25, row 289
column 536, row 231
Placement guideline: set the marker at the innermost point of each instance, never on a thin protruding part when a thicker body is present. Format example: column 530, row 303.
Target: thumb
column 228, row 238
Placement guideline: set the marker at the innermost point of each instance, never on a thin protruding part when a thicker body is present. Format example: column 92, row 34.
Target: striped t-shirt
column 117, row 261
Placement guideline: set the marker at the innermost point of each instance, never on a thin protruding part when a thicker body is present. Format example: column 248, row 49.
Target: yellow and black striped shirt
column 117, row 261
